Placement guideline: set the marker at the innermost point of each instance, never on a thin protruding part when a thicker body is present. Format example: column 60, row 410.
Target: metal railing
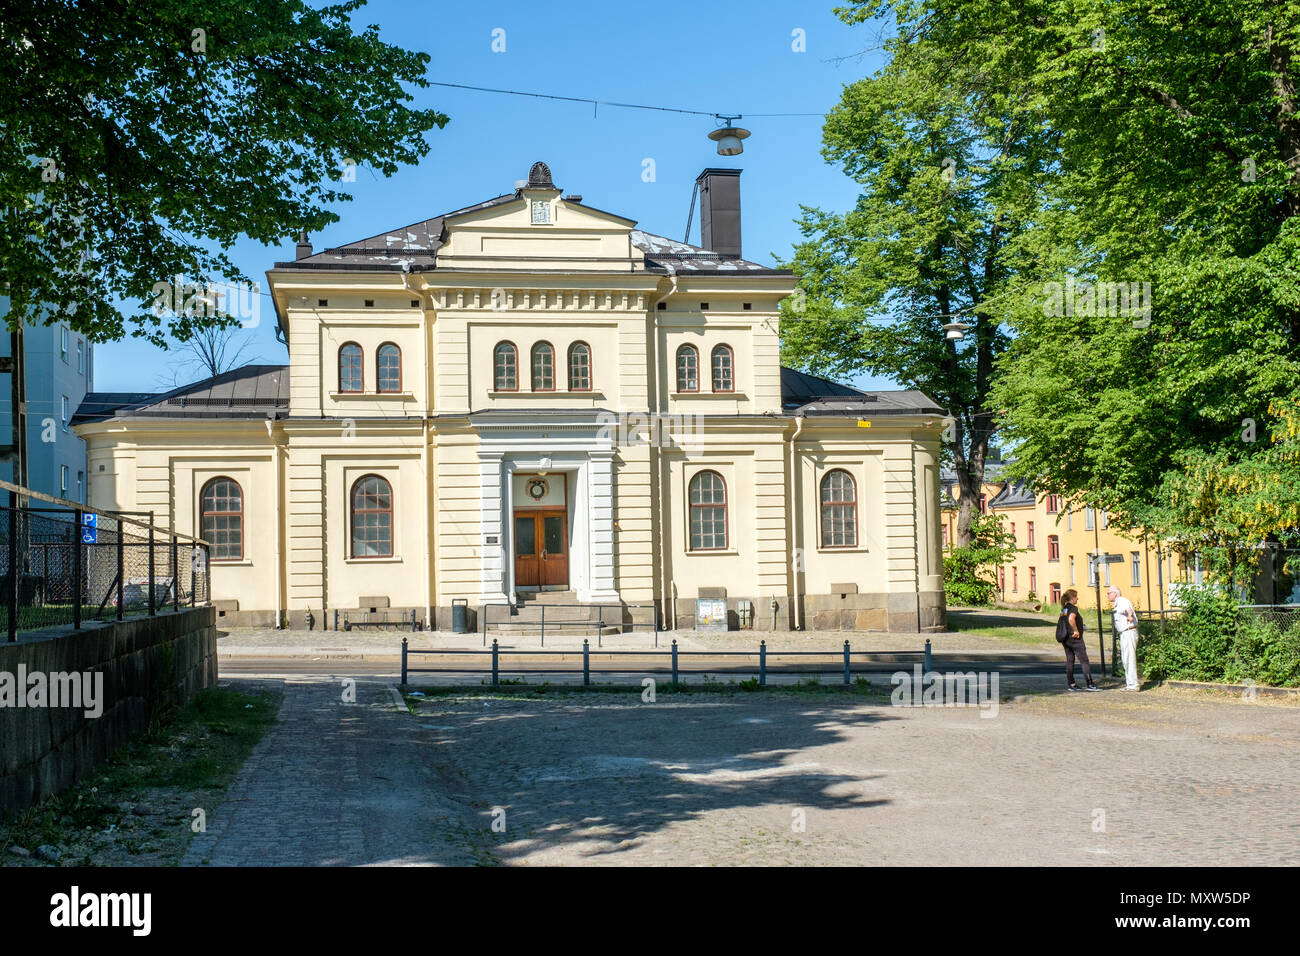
column 62, row 562
column 600, row 623
column 843, row 661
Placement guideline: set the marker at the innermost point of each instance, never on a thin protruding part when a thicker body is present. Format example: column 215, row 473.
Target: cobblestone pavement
column 1162, row 777
column 1053, row 779
column 334, row 783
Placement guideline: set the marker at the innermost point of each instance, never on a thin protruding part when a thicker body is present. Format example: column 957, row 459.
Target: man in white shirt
column 1126, row 625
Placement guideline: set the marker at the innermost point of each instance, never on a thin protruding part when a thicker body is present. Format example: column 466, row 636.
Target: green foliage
column 139, row 138
column 949, row 179
column 1216, row 640
column 970, row 572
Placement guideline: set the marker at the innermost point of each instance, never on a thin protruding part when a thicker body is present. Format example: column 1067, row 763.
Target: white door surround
column 576, row 445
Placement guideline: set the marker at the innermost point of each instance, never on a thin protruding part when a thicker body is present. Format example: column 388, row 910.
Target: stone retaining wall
column 44, row 750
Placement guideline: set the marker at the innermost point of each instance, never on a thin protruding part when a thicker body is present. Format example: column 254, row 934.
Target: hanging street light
column 955, row 330
column 728, row 137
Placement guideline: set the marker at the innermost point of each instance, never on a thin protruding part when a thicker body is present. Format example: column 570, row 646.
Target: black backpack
column 1063, row 632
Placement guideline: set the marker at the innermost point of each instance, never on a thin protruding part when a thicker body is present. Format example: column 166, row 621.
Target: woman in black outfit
column 1069, row 631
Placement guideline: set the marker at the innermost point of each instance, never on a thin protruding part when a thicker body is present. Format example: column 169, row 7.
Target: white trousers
column 1128, row 650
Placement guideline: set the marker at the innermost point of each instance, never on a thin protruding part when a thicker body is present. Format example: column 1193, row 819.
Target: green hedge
column 1216, row 640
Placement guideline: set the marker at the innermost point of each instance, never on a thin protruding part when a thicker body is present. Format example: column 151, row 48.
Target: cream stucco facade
column 612, row 448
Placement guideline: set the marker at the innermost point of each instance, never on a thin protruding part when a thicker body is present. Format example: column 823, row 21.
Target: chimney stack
column 303, row 249
column 720, row 210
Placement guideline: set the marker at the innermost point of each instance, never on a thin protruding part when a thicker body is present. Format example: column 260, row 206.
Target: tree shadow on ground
column 595, row 777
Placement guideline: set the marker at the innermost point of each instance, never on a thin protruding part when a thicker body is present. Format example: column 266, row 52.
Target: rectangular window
column 64, row 407
column 63, row 479
column 945, row 535
column 1069, row 521
column 1092, row 572
column 1105, row 520
column 1087, row 518
column 81, row 357
column 1053, row 548
column 1056, row 593
column 81, row 487
column 63, row 342
column 1071, row 570
column 1107, row 575
column 1029, row 530
column 1136, row 561
column 1033, row 581
column 1053, row 504
column 1013, row 532
column 1015, row 579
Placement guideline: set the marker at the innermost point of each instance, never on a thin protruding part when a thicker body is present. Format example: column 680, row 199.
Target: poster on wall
column 710, row 614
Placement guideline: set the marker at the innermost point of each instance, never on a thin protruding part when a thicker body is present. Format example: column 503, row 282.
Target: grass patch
column 187, row 757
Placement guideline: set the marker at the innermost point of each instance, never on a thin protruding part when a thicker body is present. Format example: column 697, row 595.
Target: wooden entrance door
column 541, row 549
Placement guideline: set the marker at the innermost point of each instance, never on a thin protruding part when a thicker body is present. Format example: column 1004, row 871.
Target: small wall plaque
column 493, row 539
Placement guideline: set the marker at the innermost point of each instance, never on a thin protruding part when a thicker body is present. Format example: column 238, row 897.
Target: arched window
column 372, row 518
column 221, row 518
column 723, row 380
column 505, row 368
column 580, row 367
column 543, row 367
column 688, row 369
column 388, row 368
column 351, row 377
column 839, row 500
column 708, row 501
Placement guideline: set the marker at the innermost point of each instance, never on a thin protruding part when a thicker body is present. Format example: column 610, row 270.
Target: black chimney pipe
column 720, row 210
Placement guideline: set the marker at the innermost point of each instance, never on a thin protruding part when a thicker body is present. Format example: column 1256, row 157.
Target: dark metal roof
column 807, row 394
column 253, row 391
column 1015, row 494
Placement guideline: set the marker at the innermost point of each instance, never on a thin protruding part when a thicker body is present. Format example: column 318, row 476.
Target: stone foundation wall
column 44, row 750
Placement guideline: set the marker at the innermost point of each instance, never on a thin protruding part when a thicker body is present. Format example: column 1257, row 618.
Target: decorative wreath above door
column 537, row 488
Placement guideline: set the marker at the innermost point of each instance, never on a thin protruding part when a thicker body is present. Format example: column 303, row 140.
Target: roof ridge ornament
column 539, row 176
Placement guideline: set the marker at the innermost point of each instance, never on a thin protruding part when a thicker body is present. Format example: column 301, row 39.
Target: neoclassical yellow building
column 529, row 395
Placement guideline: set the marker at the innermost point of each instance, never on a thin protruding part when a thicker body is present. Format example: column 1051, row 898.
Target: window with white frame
column 708, row 512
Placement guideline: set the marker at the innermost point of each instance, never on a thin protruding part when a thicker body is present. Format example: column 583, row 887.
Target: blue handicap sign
column 89, row 528
column 90, row 519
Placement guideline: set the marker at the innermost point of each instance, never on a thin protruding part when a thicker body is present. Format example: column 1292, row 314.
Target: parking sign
column 89, row 528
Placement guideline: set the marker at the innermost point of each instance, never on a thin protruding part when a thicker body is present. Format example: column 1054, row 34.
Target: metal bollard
column 674, row 662
column 403, row 662
column 494, row 662
column 586, row 662
column 846, row 663
column 762, row 663
column 928, row 659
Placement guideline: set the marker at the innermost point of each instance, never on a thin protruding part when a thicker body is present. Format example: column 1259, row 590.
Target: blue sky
column 722, row 57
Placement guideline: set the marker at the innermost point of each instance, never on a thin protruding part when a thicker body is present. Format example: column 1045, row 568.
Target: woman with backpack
column 1069, row 631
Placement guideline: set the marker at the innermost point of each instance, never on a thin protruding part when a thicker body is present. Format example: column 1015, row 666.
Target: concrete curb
column 1242, row 689
column 399, row 704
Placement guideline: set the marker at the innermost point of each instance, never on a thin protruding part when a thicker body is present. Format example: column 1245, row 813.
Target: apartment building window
column 1135, row 560
column 81, row 357
column 63, row 480
column 1015, row 580
column 63, row 342
column 1053, row 548
column 1002, row 579
column 1013, row 532
column 1092, row 572
column 1033, row 580
column 1105, row 520
column 64, row 407
column 1069, row 521
column 984, row 504
column 1053, row 504
column 1029, row 532
column 1056, row 592
column 1106, row 577
column 1087, row 518
column 945, row 535
column 81, row 487
column 1071, row 570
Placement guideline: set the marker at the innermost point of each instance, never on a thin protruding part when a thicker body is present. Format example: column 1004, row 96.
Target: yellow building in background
column 1057, row 541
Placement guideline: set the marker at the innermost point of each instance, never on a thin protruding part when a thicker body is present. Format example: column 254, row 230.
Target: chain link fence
column 66, row 564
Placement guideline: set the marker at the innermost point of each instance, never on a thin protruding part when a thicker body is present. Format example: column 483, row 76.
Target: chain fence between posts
column 65, row 563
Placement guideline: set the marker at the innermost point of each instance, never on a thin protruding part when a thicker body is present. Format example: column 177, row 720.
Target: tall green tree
column 1179, row 169
column 137, row 136
column 951, row 167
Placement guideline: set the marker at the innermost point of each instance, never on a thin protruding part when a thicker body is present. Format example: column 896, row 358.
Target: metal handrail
column 118, row 516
